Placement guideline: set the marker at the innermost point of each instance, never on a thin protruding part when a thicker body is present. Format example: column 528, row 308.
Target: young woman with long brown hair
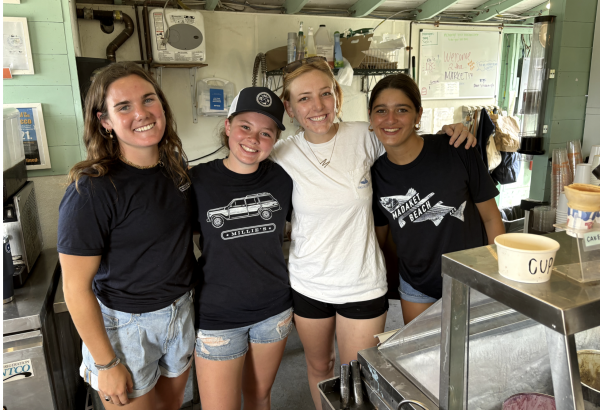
column 337, row 271
column 125, row 244
column 435, row 199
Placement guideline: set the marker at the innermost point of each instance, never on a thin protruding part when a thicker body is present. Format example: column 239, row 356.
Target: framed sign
column 16, row 48
column 34, row 135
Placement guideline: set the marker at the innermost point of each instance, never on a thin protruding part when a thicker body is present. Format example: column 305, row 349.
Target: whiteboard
column 458, row 64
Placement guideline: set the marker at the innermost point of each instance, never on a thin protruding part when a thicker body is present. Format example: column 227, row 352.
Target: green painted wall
column 54, row 83
column 565, row 107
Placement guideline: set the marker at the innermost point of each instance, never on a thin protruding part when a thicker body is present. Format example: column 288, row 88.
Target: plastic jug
column 214, row 96
column 311, row 50
column 324, row 44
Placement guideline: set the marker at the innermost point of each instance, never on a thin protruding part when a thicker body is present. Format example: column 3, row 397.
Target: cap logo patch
column 264, row 99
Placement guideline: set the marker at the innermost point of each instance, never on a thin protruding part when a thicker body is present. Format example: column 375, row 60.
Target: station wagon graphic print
column 414, row 208
column 262, row 204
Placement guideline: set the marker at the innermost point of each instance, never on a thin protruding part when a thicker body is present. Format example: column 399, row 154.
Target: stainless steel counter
column 564, row 306
column 27, row 310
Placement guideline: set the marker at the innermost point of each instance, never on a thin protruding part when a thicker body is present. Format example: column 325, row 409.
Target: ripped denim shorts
column 229, row 344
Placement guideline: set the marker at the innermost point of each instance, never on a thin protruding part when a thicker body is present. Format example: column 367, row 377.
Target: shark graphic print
column 413, row 207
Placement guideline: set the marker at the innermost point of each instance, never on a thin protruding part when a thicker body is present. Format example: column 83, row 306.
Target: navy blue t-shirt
column 241, row 218
column 141, row 224
column 430, row 207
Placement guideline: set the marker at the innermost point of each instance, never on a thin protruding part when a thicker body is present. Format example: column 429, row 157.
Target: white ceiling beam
column 432, row 8
column 293, row 6
column 492, row 11
column 364, row 7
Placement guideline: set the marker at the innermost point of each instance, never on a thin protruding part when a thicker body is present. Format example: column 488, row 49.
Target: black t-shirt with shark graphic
column 430, row 207
column 241, row 219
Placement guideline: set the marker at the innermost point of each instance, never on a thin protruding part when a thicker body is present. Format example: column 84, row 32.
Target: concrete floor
column 291, row 391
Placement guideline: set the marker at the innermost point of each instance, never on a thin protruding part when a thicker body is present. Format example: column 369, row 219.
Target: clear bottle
column 311, row 50
column 324, row 44
column 339, row 61
column 229, row 95
column 301, row 46
column 291, row 47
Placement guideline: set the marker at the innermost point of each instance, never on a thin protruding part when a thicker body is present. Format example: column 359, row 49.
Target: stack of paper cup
column 543, row 218
column 594, row 161
column 583, row 174
column 561, row 174
column 561, row 211
column 574, row 153
column 584, row 206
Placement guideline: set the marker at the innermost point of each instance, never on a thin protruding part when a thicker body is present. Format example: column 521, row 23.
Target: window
column 265, row 198
column 239, row 202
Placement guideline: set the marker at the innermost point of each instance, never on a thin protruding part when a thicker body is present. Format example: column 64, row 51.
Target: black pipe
column 139, row 32
column 111, row 50
column 146, row 20
column 107, row 19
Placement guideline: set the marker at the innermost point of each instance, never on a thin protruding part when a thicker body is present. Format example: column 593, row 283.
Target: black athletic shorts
column 313, row 309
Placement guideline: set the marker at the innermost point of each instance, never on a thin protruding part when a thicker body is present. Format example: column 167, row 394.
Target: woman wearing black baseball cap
column 245, row 302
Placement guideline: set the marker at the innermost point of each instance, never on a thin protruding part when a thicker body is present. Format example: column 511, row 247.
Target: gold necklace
column 324, row 163
column 122, row 158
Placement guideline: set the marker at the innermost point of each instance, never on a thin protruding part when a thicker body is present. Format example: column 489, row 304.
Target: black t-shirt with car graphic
column 241, row 219
column 430, row 205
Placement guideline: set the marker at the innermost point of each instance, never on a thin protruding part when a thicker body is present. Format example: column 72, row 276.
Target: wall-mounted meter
column 184, row 31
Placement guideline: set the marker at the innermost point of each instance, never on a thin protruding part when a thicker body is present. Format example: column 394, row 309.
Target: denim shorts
column 229, row 344
column 410, row 294
column 150, row 345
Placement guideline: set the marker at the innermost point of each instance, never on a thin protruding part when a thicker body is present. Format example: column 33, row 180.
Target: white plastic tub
column 526, row 258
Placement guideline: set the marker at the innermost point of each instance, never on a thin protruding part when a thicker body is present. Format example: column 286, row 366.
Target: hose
column 260, row 60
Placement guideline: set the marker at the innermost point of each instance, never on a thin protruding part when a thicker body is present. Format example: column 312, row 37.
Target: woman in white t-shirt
column 337, row 271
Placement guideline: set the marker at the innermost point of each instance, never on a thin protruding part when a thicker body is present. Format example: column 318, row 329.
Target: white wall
column 233, row 40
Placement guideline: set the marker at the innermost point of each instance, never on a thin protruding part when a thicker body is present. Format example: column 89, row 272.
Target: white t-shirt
column 334, row 254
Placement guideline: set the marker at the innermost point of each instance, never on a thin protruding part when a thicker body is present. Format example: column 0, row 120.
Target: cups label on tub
column 540, row 267
column 17, row 370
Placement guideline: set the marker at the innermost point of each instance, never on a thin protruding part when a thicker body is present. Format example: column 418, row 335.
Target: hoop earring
column 291, row 120
column 109, row 133
column 418, row 126
column 370, row 127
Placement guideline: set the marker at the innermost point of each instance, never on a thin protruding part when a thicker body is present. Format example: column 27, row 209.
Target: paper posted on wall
column 441, row 117
column 426, row 122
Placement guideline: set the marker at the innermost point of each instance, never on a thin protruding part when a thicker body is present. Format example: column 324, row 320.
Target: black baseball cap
column 260, row 100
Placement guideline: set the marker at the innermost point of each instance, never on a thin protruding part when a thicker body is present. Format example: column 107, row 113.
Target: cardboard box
column 353, row 47
column 276, row 58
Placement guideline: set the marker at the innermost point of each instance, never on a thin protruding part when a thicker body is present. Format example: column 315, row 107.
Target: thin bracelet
column 114, row 362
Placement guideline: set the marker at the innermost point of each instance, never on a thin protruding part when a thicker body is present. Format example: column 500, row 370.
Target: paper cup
column 577, row 219
column 526, row 258
column 583, row 172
